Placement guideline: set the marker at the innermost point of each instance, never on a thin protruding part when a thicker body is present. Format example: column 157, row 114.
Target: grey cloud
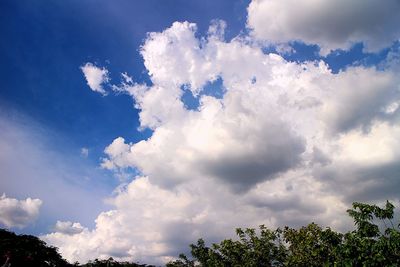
column 330, row 24
column 116, row 252
column 307, row 102
column 180, row 235
column 376, row 183
column 359, row 101
column 274, row 149
column 18, row 213
column 289, row 202
column 362, row 183
column 320, row 157
column 68, row 228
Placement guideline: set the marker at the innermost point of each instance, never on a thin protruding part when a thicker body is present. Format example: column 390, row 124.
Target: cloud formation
column 68, row 228
column 18, row 213
column 330, row 24
column 151, row 224
column 288, row 143
column 95, row 77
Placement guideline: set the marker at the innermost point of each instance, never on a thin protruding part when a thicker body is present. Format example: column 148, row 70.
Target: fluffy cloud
column 288, row 143
column 18, row 213
column 68, row 228
column 366, row 166
column 330, row 24
column 95, row 77
column 151, row 224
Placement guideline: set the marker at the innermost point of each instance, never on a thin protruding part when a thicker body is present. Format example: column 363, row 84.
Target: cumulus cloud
column 330, row 24
column 151, row 224
column 169, row 52
column 18, row 213
column 365, row 168
column 288, row 143
column 95, row 77
column 68, row 228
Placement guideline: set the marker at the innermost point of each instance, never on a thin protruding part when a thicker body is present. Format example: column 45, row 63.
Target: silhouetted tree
column 27, row 250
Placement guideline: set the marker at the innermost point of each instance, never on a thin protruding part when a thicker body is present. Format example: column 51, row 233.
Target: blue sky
column 243, row 101
column 45, row 43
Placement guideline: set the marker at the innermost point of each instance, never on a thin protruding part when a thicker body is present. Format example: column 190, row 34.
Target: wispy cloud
column 36, row 162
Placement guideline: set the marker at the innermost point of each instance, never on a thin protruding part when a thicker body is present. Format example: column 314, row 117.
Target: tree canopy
column 27, row 250
column 370, row 244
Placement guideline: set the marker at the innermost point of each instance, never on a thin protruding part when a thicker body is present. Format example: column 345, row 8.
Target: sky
column 132, row 128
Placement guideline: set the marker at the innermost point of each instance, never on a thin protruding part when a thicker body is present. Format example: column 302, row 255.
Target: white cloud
column 330, row 24
column 18, row 213
column 286, row 145
column 151, row 224
column 68, row 228
column 169, row 52
column 95, row 77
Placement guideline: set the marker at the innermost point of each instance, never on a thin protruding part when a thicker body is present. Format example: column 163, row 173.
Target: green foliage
column 265, row 249
column 367, row 245
column 112, row 263
column 312, row 246
column 374, row 242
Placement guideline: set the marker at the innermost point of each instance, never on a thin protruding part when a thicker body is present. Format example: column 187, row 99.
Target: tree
column 27, row 250
column 265, row 249
column 370, row 244
column 312, row 246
